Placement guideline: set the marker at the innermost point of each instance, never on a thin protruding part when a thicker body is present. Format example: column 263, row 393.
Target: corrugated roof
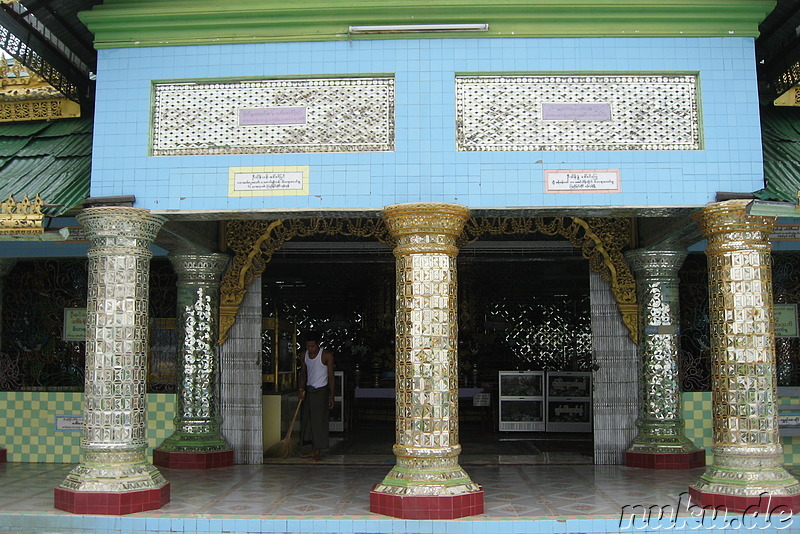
column 51, row 159
column 63, row 127
column 11, row 145
column 68, row 145
column 780, row 133
column 22, row 129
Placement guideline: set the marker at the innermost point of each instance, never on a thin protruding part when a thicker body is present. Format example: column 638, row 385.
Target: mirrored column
column 661, row 442
column 747, row 468
column 115, row 476
column 197, row 442
column 427, row 481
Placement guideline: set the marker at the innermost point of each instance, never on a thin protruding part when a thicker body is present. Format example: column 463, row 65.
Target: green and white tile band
column 698, row 417
column 27, row 424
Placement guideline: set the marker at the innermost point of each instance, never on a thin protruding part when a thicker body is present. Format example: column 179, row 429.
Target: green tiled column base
column 182, row 442
column 675, row 443
column 720, row 480
column 438, row 476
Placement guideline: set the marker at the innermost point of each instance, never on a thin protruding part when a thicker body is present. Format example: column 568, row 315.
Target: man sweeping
column 316, row 393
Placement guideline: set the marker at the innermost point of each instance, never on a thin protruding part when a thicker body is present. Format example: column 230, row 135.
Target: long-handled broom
column 287, row 446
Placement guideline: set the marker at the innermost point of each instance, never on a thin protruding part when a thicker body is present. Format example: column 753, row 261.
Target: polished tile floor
column 523, row 493
column 327, row 489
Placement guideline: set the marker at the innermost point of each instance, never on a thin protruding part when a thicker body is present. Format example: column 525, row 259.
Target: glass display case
column 336, row 421
column 521, row 401
column 569, row 402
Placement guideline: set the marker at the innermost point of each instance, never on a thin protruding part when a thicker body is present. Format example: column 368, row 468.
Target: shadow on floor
column 373, row 446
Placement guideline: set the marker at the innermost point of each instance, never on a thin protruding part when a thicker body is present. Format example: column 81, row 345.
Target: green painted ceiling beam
column 768, row 208
column 137, row 23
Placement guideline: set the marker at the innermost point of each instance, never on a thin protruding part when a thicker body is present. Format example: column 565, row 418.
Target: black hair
column 312, row 336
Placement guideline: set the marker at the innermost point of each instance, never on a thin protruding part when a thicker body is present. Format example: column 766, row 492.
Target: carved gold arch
column 254, row 243
column 601, row 241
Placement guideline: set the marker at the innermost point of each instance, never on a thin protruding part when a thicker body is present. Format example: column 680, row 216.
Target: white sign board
column 582, row 181
column 69, row 423
column 789, row 420
column 272, row 116
column 482, row 399
column 785, row 232
column 268, row 181
column 74, row 324
column 578, row 111
column 786, row 320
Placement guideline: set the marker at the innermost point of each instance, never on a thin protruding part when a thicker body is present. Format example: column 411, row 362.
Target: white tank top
column 317, row 371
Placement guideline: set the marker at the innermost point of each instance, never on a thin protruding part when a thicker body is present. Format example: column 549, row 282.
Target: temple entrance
column 524, row 322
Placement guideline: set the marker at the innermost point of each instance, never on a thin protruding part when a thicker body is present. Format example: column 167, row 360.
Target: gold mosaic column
column 661, row 442
column 747, row 467
column 6, row 264
column 114, row 476
column 197, row 442
column 427, row 481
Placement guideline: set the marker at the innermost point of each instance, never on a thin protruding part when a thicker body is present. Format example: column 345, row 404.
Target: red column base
column 111, row 503
column 666, row 460
column 769, row 505
column 427, row 506
column 2, row 456
column 192, row 460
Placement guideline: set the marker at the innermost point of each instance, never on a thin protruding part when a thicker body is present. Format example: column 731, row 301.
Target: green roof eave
column 55, row 163
column 780, row 139
column 140, row 23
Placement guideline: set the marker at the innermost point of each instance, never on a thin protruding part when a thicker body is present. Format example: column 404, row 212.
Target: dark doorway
column 523, row 306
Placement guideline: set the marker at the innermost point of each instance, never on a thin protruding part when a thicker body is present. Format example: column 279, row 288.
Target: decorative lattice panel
column 273, row 116
column 592, row 112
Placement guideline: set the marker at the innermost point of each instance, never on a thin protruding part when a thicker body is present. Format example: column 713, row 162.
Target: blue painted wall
column 425, row 165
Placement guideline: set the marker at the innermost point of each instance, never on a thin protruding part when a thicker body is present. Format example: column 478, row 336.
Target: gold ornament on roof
column 24, row 217
column 14, row 73
column 26, row 96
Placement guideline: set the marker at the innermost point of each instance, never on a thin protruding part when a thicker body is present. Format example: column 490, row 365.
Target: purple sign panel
column 599, row 111
column 272, row 116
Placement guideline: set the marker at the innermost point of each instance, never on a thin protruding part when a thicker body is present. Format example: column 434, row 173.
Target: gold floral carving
column 254, row 243
column 24, row 95
column 600, row 239
column 39, row 110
